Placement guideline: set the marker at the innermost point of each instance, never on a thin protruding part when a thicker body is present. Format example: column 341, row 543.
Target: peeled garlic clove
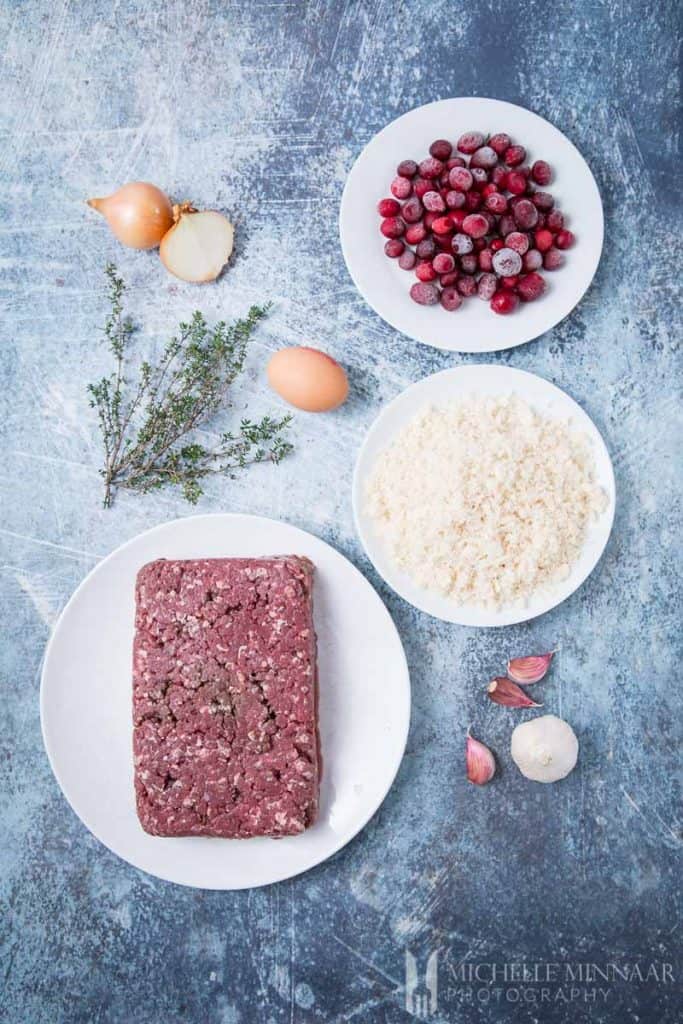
column 544, row 749
column 198, row 245
column 502, row 691
column 139, row 214
column 529, row 670
column 481, row 765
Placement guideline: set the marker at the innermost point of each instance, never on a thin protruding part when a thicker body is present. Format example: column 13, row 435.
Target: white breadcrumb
column 484, row 500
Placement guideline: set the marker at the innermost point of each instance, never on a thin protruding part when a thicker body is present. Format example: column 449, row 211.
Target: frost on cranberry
column 415, row 233
column 542, row 200
column 460, row 179
column 544, row 239
column 514, row 156
column 466, row 285
column 433, row 201
column 480, row 176
column 499, row 176
column 530, row 287
column 461, row 244
column 532, row 260
column 469, row 263
column 421, row 186
column 441, row 149
column 485, row 259
column 555, row 221
column 407, row 259
column 486, row 286
column 525, row 214
column 425, row 271
column 412, row 210
column 553, row 259
column 476, row 225
column 473, row 201
column 500, row 142
column 443, row 263
column 485, row 157
column 507, row 262
column 392, row 227
column 393, row 248
column 407, row 169
column 451, row 299
column 448, row 279
column 389, row 207
column 431, row 167
column 496, row 203
column 564, row 240
column 424, row 293
column 504, row 302
column 454, row 200
column 426, row 248
column 516, row 183
column 518, row 241
column 541, row 173
column 470, row 142
column 442, row 225
column 401, row 187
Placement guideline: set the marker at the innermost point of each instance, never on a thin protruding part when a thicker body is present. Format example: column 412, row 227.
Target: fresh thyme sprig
column 149, row 427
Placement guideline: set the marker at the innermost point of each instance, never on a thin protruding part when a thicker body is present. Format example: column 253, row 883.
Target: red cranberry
column 426, row 248
column 443, row 180
column 525, row 214
column 393, row 248
column 518, row 241
column 454, row 200
column 485, row 157
column 457, row 216
column 450, row 299
column 455, row 161
column 441, row 149
column 542, row 200
column 565, row 239
column 542, row 219
column 475, row 225
column 411, row 210
column 442, row 225
column 496, row 203
column 479, row 176
column 516, row 183
column 507, row 262
column 507, row 224
column 489, row 190
column 544, row 240
column 443, row 263
column 496, row 245
column 433, row 201
column 431, row 167
column 388, row 207
column 407, row 260
column 470, row 142
column 461, row 179
column 450, row 278
column 510, row 282
column 472, row 201
column 421, row 186
column 499, row 176
column 407, row 169
column 415, row 233
column 443, row 242
column 503, row 302
column 514, row 156
column 425, row 271
column 392, row 227
column 479, row 244
column 486, row 259
column 486, row 286
column 466, row 286
column 532, row 260
column 401, row 187
column 530, row 287
column 469, row 263
column 500, row 142
column 524, row 169
column 424, row 293
column 555, row 220
column 429, row 219
column 541, row 172
column 553, row 259
column 462, row 244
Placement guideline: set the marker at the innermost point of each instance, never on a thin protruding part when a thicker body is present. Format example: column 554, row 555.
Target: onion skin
column 139, row 214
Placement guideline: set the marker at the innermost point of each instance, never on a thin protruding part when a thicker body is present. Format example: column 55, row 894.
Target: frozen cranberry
column 443, row 181
column 443, row 242
column 497, row 244
column 489, row 190
column 407, row 169
column 422, row 186
column 461, row 179
column 499, row 176
column 541, row 222
column 448, row 279
column 516, row 183
column 466, row 285
column 532, row 259
column 392, row 227
column 564, row 240
column 424, row 293
column 524, row 169
column 455, row 161
column 429, row 219
column 470, row 142
column 457, row 216
column 393, row 248
column 469, row 263
column 431, row 167
column 472, row 201
column 479, row 176
column 506, row 224
column 530, row 287
column 510, row 282
column 479, row 244
column 500, row 142
column 415, row 233
column 454, row 200
column 555, row 220
column 412, row 211
column 507, row 262
column 486, row 286
column 485, row 259
column 496, row 203
column 425, row 271
column 388, row 207
column 525, row 214
column 541, row 172
column 443, row 263
column 503, row 302
column 442, row 225
column 433, row 201
column 514, row 156
column 462, row 244
column 485, row 157
column 441, row 149
column 544, row 240
column 542, row 200
column 407, row 260
column 426, row 248
column 475, row 225
column 553, row 259
column 401, row 187
column 450, row 299
column 518, row 241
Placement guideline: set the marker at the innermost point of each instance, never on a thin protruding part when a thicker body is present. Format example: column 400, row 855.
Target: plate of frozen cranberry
column 471, row 224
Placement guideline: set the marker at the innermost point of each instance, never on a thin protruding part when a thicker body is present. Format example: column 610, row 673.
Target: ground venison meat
column 225, row 736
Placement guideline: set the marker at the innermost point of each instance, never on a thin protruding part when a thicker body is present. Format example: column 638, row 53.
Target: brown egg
column 308, row 379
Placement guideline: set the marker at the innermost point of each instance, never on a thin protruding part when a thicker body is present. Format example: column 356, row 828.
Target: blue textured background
column 260, row 109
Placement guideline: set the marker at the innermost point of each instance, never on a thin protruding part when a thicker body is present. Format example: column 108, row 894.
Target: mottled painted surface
column 261, row 108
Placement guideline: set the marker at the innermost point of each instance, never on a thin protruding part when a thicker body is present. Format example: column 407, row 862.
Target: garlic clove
column 502, row 690
column 531, row 669
column 138, row 214
column 545, row 749
column 481, row 765
column 198, row 245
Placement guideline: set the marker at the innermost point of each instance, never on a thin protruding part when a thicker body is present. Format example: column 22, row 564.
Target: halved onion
column 198, row 245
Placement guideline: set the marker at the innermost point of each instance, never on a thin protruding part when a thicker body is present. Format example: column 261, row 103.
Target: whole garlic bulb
column 544, row 749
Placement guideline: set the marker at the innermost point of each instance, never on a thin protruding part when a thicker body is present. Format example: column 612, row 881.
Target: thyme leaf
column 149, row 424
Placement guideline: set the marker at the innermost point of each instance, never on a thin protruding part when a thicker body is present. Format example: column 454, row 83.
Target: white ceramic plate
column 439, row 389
column 473, row 327
column 86, row 704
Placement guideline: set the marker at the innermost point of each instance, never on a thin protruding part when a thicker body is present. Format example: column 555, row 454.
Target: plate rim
column 403, row 724
column 356, row 497
column 463, row 347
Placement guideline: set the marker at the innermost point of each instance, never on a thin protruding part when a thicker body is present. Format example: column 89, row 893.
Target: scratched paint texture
column 260, row 109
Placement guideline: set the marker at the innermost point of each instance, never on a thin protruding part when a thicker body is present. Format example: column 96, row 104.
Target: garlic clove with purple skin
column 530, row 669
column 502, row 690
column 481, row 765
